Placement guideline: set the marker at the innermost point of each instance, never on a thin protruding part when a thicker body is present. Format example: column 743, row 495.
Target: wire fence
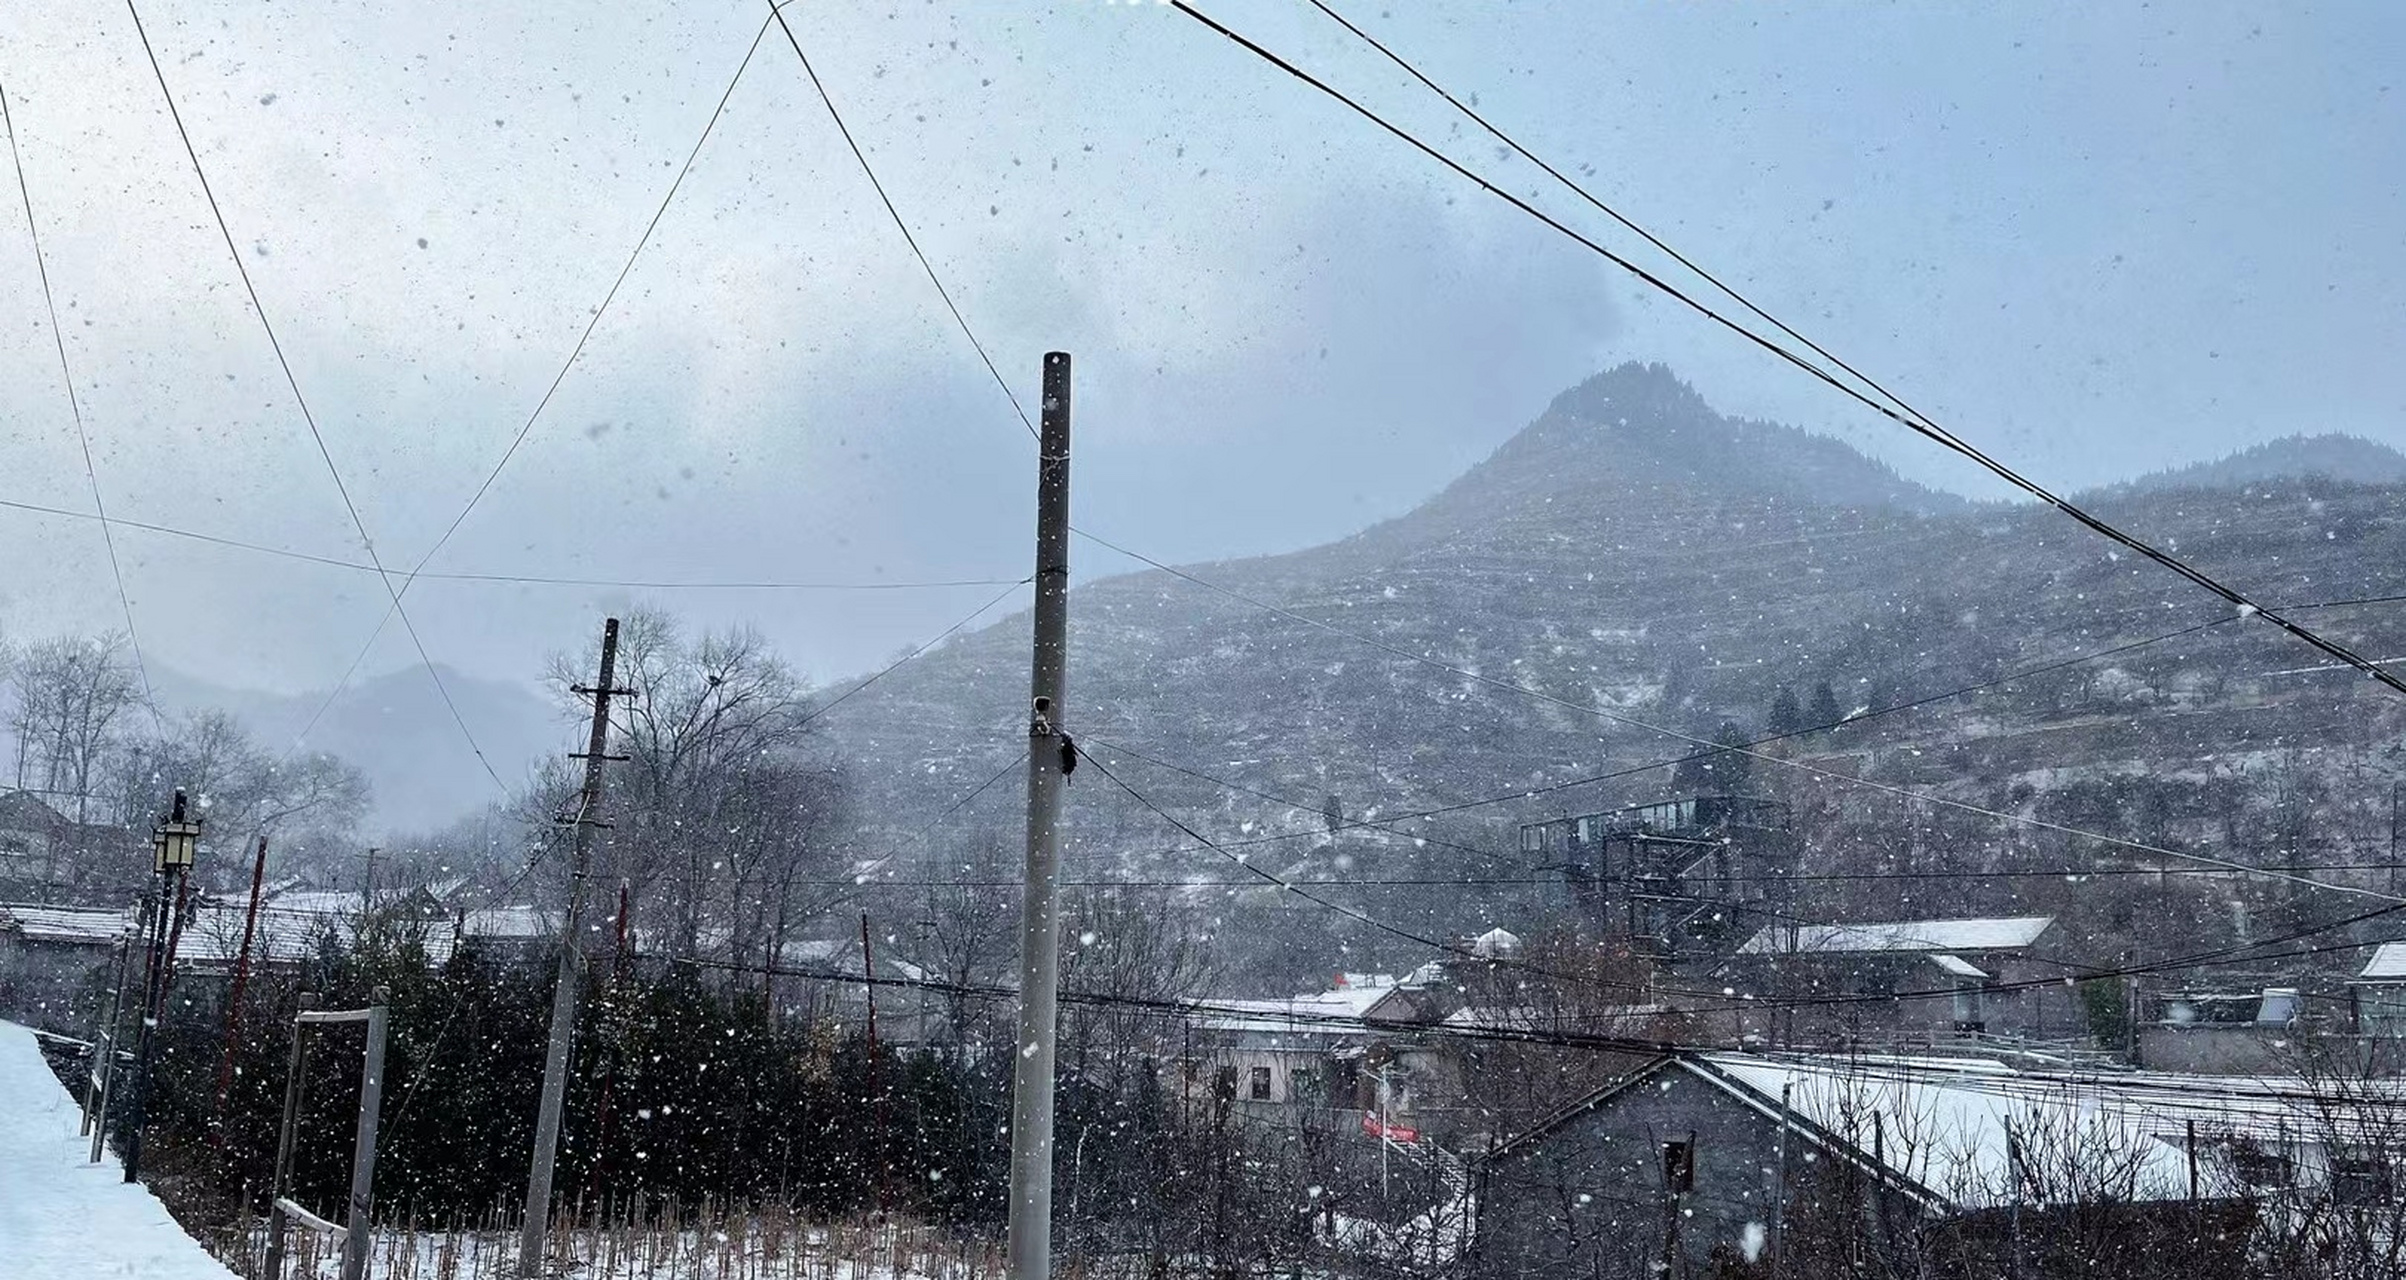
column 645, row 1242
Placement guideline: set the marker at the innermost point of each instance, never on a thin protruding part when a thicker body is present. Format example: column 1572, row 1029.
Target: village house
column 48, row 857
column 1351, row 1054
column 2216, row 1030
column 1738, row 1164
column 1906, row 982
column 2377, row 995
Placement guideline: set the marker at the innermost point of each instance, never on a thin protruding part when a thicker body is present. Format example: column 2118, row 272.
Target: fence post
column 284, row 1140
column 363, row 1147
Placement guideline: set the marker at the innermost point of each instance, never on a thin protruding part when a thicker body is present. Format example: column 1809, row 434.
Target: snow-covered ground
column 60, row 1216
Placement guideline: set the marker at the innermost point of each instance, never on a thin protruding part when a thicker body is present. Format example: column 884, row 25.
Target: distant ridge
column 395, row 728
column 2333, row 456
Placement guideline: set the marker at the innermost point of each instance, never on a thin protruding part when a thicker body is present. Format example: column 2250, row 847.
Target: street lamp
column 174, row 842
column 173, row 845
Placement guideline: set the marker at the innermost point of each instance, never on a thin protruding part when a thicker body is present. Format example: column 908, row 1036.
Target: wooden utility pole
column 877, row 1097
column 563, row 996
column 1029, row 1235
column 1779, row 1191
column 242, row 977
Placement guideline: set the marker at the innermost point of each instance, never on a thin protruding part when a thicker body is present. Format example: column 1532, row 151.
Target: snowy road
column 61, row 1217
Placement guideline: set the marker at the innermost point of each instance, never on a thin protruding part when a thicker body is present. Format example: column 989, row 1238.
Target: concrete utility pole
column 1029, row 1235
column 563, row 996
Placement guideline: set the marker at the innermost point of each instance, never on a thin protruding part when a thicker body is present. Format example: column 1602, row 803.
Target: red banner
column 1373, row 1127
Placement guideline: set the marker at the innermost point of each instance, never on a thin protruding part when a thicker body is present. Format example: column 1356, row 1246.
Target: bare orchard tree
column 1140, row 952
column 70, row 697
column 2339, row 1212
column 968, row 932
column 777, row 855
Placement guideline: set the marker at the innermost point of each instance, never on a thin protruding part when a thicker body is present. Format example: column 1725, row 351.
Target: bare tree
column 969, row 930
column 245, row 791
column 1141, row 952
column 71, row 692
column 720, row 807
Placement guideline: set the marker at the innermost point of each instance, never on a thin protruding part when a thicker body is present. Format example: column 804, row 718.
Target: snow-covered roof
column 1496, row 942
column 2001, row 933
column 515, row 923
column 820, row 951
column 1943, row 1123
column 213, row 935
column 1957, row 966
column 91, row 925
column 1337, row 1012
column 2387, row 965
column 1957, row 1114
column 318, row 901
column 1528, row 1018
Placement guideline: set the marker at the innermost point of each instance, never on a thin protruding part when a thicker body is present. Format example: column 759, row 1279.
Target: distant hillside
column 1644, row 561
column 396, row 729
column 2335, row 457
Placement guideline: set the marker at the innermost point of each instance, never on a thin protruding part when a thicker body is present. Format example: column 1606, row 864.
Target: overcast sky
column 2098, row 239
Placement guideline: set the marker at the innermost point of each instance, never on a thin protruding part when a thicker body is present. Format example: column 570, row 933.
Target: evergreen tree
column 1825, row 705
column 1786, row 716
column 1719, row 768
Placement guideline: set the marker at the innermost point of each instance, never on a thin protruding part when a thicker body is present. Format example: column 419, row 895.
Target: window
column 1679, row 1165
column 1258, row 1088
column 2381, row 1009
column 1223, row 1083
column 2257, row 1165
column 2361, row 1177
column 1969, row 1014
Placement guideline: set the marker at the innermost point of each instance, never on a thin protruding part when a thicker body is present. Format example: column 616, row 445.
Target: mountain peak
column 1638, row 427
column 1631, row 392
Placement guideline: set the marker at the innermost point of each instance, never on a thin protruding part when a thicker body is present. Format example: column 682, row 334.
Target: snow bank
column 62, row 1217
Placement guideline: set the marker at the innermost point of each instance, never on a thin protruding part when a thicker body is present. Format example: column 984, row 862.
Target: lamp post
column 173, row 844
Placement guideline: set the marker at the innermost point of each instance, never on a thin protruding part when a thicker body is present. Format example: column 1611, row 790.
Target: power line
column 594, row 321
column 1615, row 214
column 540, row 405
column 1349, row 913
column 367, row 543
column 528, row 579
column 1304, row 1019
column 2074, row 874
column 2197, row 960
column 1526, row 793
column 1911, row 420
column 1242, row 789
column 83, row 435
column 1634, row 722
column 890, row 668
column 778, row 13
column 962, row 801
